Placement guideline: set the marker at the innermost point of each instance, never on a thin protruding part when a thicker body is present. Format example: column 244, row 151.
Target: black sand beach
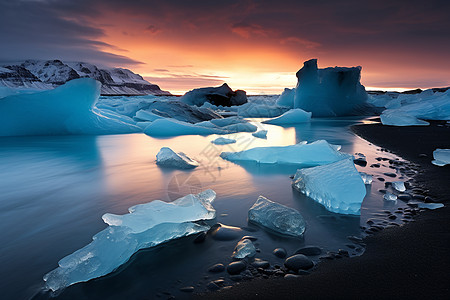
column 411, row 261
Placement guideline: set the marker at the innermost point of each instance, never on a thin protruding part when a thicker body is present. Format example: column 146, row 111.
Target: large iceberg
column 146, row 225
column 68, row 109
column 172, row 127
column 302, row 154
column 329, row 92
column 277, row 217
column 441, row 157
column 166, row 157
column 337, row 186
column 293, row 116
column 286, row 98
column 219, row 96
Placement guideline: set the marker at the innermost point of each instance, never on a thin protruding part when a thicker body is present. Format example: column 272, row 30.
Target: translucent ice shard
column 441, row 157
column 399, row 186
column 366, row 178
column 337, row 186
column 293, row 116
column 426, row 205
column 390, row 197
column 303, row 154
column 277, row 217
column 243, row 249
column 146, row 225
column 166, row 157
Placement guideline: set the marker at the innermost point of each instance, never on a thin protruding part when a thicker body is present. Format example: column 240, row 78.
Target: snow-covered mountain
column 44, row 75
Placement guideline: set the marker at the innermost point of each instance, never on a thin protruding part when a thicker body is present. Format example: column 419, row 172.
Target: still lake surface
column 54, row 190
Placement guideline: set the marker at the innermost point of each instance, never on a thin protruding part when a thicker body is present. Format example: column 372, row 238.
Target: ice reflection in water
column 54, row 191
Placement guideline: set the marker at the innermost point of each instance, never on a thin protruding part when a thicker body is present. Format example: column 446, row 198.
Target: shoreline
column 408, row 261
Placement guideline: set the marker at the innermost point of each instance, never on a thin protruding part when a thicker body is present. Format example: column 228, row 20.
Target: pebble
column 375, row 165
column 298, row 261
column 380, row 179
column 222, row 232
column 280, row 252
column 360, row 162
column 217, row 268
column 419, row 197
column 309, row 251
column 236, row 277
column 212, row 286
column 290, row 276
column 187, row 289
column 383, row 191
column 249, row 237
column 258, row 263
column 404, row 197
column 390, row 174
column 236, row 267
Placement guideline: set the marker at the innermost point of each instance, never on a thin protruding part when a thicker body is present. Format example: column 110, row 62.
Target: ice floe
column 302, row 154
column 262, row 134
column 441, row 157
column 223, row 141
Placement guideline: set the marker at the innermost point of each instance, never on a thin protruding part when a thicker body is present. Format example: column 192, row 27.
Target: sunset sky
column 253, row 45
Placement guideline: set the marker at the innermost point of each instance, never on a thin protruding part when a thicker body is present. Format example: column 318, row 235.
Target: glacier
column 276, row 217
column 146, row 225
column 166, row 157
column 303, row 154
column 337, row 186
column 293, row 116
column 329, row 92
column 68, row 109
column 441, row 157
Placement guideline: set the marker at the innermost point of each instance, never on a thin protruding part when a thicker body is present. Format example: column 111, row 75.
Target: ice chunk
column 146, row 225
column 399, row 186
column 277, row 217
column 166, row 157
column 230, row 125
column 243, row 249
column 330, row 91
column 337, row 186
column 145, row 115
column 286, row 98
column 293, row 116
column 172, row 127
column 390, row 197
column 68, row 109
column 303, row 154
column 367, row 179
column 222, row 95
column 223, row 141
column 262, row 134
column 426, row 205
column 398, row 118
column 441, row 157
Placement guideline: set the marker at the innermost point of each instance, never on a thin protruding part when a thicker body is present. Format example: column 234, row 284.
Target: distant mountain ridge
column 48, row 74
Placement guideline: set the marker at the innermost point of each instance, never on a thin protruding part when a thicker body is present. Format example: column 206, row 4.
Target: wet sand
column 411, row 261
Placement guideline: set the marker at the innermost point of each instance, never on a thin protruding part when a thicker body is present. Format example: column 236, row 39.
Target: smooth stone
column 375, row 165
column 298, row 261
column 222, row 232
column 258, row 263
column 290, row 276
column 212, row 286
column 404, row 197
column 309, row 251
column 280, row 252
column 360, row 162
column 390, row 174
column 217, row 268
column 303, row 272
column 187, row 289
column 236, row 277
column 380, row 179
column 236, row 267
column 249, row 237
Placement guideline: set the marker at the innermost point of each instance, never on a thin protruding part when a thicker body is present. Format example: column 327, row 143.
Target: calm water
column 54, row 190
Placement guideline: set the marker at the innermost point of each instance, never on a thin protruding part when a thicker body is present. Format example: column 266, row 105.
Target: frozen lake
column 54, row 190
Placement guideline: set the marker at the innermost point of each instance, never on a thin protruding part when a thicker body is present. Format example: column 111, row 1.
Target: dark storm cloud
column 404, row 31
column 44, row 30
